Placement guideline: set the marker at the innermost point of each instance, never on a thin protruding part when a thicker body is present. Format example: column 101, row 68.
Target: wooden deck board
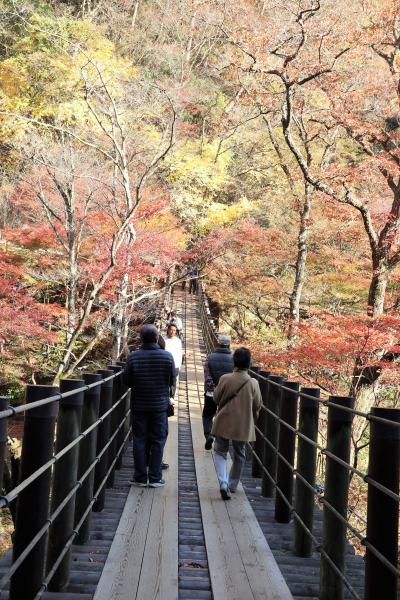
column 143, row 559
column 159, row 575
column 241, row 563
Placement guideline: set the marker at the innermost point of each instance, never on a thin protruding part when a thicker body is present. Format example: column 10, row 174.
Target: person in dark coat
column 217, row 363
column 150, row 373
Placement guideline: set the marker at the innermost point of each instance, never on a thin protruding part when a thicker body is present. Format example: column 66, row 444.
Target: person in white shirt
column 173, row 319
column 174, row 345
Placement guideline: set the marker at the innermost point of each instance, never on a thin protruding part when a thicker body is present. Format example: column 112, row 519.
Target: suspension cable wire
column 323, row 500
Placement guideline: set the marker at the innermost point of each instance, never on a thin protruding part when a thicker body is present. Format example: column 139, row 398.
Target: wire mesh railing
column 284, row 456
column 73, row 440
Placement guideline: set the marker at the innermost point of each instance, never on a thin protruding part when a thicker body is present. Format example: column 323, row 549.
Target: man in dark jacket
column 150, row 373
column 217, row 364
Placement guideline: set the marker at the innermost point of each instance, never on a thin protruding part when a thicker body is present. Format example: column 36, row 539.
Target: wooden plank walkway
column 241, row 563
column 87, row 561
column 182, row 542
column 143, row 560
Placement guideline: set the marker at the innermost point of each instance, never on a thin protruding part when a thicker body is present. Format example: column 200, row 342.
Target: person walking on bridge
column 217, row 363
column 173, row 319
column 238, row 398
column 150, row 373
column 174, row 345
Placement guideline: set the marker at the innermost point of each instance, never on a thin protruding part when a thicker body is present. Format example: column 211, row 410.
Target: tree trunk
column 377, row 289
column 120, row 317
column 301, row 261
column 135, row 13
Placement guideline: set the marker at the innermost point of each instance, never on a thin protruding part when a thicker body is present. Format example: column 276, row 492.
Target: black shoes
column 209, row 442
column 164, row 466
column 225, row 492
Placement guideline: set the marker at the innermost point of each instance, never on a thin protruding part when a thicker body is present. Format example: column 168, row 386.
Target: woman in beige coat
column 239, row 401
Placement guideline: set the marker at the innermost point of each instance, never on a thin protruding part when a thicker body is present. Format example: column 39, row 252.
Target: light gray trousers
column 221, row 448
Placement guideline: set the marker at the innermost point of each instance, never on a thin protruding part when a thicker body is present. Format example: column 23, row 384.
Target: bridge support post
column 103, row 435
column 87, row 454
column 306, row 468
column 336, row 495
column 256, row 470
column 121, row 412
column 286, row 447
column 3, row 438
column 64, row 479
column 383, row 511
column 33, row 502
column 115, row 420
column 271, row 432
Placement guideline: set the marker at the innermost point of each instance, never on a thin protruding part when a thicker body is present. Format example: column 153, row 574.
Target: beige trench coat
column 235, row 421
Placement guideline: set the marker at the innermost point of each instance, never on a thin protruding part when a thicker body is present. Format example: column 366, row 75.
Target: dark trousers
column 209, row 410
column 150, row 431
column 193, row 286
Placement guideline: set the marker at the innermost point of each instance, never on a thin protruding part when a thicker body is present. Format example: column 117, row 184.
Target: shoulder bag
column 227, row 400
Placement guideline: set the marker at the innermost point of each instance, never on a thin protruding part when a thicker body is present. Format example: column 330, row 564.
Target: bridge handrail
column 274, row 459
column 11, row 411
column 93, row 427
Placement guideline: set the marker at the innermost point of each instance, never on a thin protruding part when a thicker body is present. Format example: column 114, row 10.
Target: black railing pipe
column 336, row 495
column 65, row 477
column 383, row 511
column 271, row 431
column 121, row 412
column 87, row 454
column 114, row 422
column 286, row 447
column 103, row 435
column 256, row 470
column 33, row 502
column 306, row 468
column 3, row 438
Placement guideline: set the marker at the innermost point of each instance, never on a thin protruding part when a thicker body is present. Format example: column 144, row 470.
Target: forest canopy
column 256, row 140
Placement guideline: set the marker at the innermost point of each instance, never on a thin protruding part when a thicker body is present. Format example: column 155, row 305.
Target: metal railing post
column 271, row 432
column 256, row 470
column 103, row 435
column 121, row 412
column 336, row 494
column 286, row 447
column 3, row 438
column 33, row 502
column 65, row 476
column 112, row 450
column 383, row 511
column 87, row 454
column 307, row 468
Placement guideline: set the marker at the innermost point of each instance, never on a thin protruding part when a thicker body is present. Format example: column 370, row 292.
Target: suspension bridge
column 83, row 533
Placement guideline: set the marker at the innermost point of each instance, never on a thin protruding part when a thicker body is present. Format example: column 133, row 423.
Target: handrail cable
column 13, row 494
column 303, row 525
column 15, row 410
column 49, row 521
column 364, row 476
column 210, row 338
